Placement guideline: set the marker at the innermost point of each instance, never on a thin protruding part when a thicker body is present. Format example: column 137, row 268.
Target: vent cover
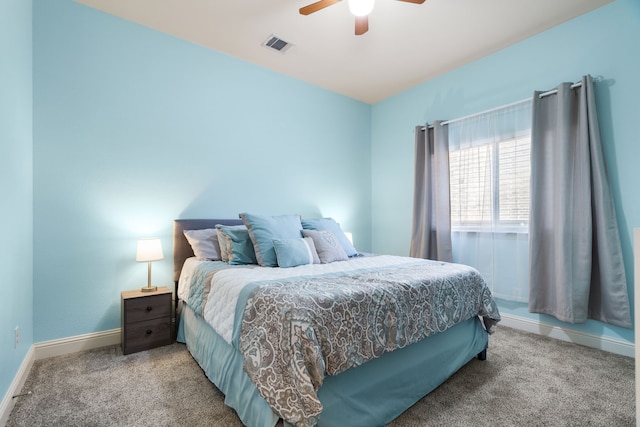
column 276, row 43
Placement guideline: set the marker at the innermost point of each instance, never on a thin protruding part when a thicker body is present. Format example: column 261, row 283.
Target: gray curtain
column 431, row 226
column 576, row 269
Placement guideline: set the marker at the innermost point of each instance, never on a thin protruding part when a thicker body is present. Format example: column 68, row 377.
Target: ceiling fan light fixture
column 361, row 7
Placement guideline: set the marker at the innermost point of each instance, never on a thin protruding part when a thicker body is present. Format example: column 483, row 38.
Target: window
column 489, row 170
column 490, row 184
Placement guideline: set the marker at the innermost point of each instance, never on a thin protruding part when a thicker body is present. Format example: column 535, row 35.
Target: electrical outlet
column 17, row 336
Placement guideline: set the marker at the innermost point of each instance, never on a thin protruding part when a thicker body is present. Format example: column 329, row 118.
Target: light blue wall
column 117, row 107
column 16, row 178
column 133, row 128
column 603, row 43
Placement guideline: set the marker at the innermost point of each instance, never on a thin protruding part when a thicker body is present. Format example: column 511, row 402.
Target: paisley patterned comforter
column 294, row 330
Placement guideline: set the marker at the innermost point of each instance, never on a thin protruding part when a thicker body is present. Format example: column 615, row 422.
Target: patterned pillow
column 327, row 246
column 204, row 243
column 331, row 225
column 294, row 252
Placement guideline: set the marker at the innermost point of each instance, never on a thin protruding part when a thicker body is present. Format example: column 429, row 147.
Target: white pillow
column 204, row 243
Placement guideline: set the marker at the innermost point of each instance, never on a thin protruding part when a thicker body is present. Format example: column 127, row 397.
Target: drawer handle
column 149, row 308
column 149, row 331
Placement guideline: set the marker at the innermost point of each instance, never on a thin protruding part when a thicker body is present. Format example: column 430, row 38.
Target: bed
column 373, row 376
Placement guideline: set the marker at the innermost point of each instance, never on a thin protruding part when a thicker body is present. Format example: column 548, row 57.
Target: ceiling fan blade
column 413, row 1
column 362, row 25
column 319, row 5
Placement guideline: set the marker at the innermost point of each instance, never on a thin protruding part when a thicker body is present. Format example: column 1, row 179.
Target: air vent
column 276, row 43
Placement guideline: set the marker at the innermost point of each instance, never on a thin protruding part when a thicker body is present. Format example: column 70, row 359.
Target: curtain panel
column 431, row 224
column 489, row 164
column 576, row 269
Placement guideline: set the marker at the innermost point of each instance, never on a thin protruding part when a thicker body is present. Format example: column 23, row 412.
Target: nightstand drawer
column 146, row 319
column 146, row 335
column 147, row 308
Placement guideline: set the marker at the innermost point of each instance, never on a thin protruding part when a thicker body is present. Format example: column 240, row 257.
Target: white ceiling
column 407, row 44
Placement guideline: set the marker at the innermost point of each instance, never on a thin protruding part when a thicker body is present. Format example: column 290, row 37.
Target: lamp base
column 149, row 289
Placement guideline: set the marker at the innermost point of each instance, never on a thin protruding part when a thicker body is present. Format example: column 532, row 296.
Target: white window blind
column 471, row 174
column 513, row 181
column 489, row 170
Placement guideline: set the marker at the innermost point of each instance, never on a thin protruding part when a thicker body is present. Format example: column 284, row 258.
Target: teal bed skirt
column 370, row 395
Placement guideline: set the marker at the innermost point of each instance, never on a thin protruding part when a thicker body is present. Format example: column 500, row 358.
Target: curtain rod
column 554, row 91
column 522, row 101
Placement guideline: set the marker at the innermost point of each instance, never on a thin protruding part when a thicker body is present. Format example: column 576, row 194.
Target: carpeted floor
column 527, row 380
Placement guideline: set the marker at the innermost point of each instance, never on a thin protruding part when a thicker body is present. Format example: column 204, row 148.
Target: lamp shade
column 349, row 236
column 149, row 250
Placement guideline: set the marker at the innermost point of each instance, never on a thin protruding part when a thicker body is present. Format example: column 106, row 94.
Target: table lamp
column 349, row 236
column 149, row 250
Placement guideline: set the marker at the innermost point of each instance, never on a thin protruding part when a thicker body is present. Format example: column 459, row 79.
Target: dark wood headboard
column 181, row 248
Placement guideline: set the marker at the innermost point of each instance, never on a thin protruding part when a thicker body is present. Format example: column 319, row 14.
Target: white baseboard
column 62, row 346
column 605, row 343
column 16, row 385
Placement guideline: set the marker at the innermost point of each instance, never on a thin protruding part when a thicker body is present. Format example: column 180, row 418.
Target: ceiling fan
column 359, row 8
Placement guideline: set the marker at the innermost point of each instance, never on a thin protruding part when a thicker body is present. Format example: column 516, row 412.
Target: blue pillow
column 331, row 225
column 238, row 244
column 223, row 240
column 294, row 252
column 264, row 228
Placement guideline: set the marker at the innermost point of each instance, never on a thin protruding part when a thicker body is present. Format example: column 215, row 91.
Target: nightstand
column 146, row 319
